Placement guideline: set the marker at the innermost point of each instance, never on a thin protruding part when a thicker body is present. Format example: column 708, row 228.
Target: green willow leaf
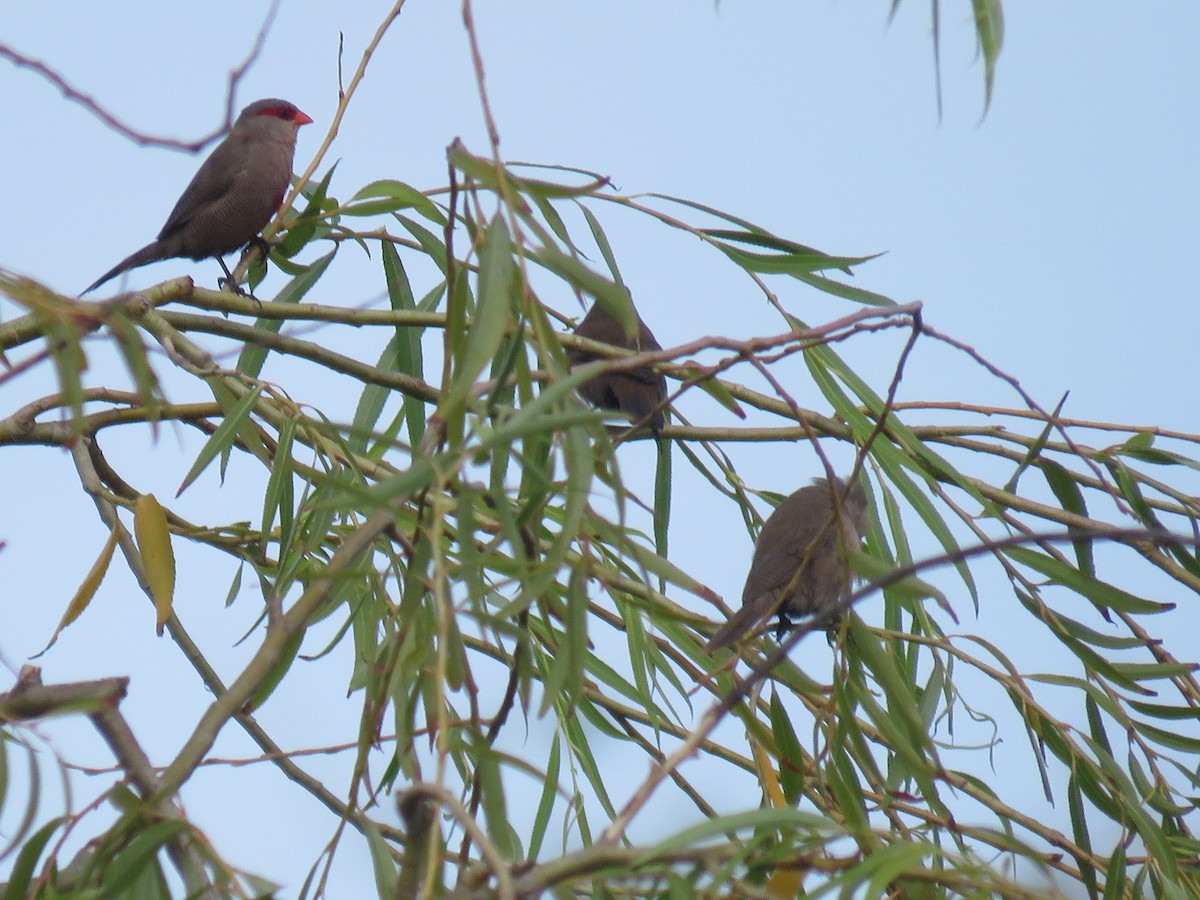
column 391, row 195
column 582, row 752
column 494, row 312
column 22, row 871
column 989, row 28
column 431, row 245
column 788, row 751
column 279, row 496
column 1067, row 490
column 768, row 817
column 130, row 864
column 221, row 440
column 1099, row 592
column 409, row 356
column 541, row 819
column 302, row 228
column 253, row 356
column 601, row 240
column 791, row 264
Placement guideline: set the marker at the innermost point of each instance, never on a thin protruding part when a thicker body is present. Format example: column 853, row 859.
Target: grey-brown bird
column 799, row 564
column 639, row 392
column 233, row 195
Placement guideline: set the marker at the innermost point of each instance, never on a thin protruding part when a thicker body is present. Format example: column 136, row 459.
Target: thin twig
column 142, row 138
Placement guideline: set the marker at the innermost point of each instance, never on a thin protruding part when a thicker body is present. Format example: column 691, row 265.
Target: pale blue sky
column 1057, row 236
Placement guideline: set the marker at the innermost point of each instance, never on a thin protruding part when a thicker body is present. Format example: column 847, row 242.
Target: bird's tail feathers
column 740, row 623
column 148, row 254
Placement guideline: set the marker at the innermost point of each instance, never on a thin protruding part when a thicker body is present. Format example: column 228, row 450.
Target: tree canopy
column 487, row 562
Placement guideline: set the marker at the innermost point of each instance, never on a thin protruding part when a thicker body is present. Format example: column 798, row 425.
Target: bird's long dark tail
column 741, row 623
column 148, row 254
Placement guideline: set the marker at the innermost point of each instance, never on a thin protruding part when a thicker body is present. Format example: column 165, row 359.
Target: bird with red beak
column 234, row 194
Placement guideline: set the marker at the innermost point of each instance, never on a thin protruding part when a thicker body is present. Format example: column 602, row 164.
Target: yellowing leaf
column 87, row 590
column 154, row 543
column 785, row 883
column 767, row 776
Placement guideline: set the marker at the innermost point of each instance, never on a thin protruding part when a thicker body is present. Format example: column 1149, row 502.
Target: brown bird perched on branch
column 799, row 564
column 639, row 392
column 233, row 195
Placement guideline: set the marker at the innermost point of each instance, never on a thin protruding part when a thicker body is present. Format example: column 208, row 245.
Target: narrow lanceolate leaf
column 85, row 593
column 222, row 439
column 21, row 875
column 252, row 357
column 140, row 855
column 487, row 173
column 576, row 640
column 989, row 28
column 303, row 227
column 266, row 687
column 388, row 196
column 845, row 291
column 662, row 498
column 601, row 239
column 912, row 589
column 497, row 272
column 431, row 244
column 154, row 543
column 711, row 386
column 371, row 402
column 386, row 874
column 757, row 237
column 612, row 296
column 541, row 819
column 1102, row 594
column 87, row 589
column 1036, row 448
column 408, row 354
column 1066, row 490
column 134, row 353
column 790, row 752
column 786, row 264
column 279, row 494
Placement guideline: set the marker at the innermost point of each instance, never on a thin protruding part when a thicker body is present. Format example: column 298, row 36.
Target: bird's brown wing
column 212, row 181
column 646, row 375
column 640, row 395
column 780, row 548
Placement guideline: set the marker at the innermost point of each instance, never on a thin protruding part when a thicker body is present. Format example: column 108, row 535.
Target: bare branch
column 142, row 138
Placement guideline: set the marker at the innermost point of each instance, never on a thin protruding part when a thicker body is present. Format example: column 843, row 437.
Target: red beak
column 302, row 118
